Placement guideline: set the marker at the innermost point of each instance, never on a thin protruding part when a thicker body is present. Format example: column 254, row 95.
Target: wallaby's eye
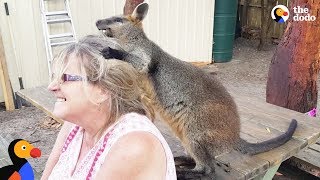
column 118, row 20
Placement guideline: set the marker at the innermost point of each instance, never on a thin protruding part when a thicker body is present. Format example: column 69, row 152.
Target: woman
column 105, row 134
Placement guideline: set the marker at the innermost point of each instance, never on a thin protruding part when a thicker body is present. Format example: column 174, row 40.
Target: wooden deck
column 308, row 160
column 260, row 121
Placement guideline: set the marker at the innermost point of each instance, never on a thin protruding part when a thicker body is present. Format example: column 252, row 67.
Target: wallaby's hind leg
column 204, row 162
column 202, row 157
column 184, row 161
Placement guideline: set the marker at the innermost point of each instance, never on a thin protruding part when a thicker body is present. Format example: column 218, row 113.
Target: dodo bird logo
column 20, row 169
column 280, row 13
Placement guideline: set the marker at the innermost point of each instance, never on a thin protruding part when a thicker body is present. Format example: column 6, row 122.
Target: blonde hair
column 129, row 90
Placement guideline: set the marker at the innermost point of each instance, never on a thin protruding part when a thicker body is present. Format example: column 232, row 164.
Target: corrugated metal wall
column 183, row 28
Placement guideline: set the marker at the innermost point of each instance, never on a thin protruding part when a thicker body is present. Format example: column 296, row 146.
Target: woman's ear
column 104, row 95
column 140, row 11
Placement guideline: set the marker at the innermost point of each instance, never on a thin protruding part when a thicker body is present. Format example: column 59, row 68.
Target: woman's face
column 73, row 104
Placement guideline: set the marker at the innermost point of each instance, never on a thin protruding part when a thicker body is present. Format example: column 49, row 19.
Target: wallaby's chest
column 175, row 83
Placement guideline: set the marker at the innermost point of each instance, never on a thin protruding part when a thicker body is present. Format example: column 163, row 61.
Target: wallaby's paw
column 106, row 53
column 110, row 53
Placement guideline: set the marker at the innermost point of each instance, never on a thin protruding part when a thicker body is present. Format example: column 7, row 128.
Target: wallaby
column 196, row 106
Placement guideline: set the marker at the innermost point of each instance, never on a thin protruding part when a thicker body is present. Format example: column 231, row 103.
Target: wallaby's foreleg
column 110, row 53
column 140, row 62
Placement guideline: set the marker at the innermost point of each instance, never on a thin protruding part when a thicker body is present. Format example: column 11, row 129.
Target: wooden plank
column 255, row 132
column 5, row 80
column 315, row 147
column 259, row 105
column 311, row 156
column 279, row 118
column 201, row 64
column 41, row 98
column 283, row 152
column 247, row 165
column 223, row 172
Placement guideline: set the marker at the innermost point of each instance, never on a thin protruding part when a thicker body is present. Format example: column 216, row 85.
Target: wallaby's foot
column 198, row 169
column 188, row 174
column 185, row 173
column 184, row 161
column 110, row 53
column 225, row 166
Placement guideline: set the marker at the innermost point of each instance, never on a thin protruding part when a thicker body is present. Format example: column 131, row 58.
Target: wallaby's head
column 124, row 27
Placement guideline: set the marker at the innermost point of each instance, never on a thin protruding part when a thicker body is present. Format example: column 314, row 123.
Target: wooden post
column 130, row 6
column 293, row 72
column 5, row 81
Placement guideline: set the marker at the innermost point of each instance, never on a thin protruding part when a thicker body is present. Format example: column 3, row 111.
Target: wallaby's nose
column 98, row 23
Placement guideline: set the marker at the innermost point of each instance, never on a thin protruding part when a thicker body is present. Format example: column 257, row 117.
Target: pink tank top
column 91, row 163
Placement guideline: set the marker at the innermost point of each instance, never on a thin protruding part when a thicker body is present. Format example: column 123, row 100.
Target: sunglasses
column 70, row 77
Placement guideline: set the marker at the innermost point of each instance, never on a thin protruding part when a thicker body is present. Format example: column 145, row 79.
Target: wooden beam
column 5, row 81
column 200, row 64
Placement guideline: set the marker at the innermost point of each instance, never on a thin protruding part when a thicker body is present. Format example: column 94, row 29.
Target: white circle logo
column 280, row 13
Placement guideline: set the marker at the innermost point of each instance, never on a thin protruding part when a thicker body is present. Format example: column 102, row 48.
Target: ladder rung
column 54, row 13
column 61, row 35
column 62, row 43
column 51, row 21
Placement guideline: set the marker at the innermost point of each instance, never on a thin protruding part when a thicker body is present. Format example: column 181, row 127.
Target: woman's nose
column 53, row 86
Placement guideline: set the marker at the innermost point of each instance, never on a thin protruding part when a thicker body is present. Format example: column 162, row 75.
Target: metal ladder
column 56, row 17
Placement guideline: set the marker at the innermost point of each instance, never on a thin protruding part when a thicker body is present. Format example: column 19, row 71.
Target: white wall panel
column 184, row 28
column 23, row 42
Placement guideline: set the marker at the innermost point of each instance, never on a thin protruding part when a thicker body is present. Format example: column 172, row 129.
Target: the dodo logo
column 280, row 13
column 19, row 150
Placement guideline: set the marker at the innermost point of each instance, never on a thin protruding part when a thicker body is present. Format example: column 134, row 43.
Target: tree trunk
column 292, row 78
column 130, row 6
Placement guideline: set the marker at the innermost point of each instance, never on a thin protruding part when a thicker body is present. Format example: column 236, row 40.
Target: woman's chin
column 59, row 112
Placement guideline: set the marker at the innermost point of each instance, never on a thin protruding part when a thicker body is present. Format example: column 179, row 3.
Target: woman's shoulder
column 133, row 152
column 135, row 120
column 140, row 143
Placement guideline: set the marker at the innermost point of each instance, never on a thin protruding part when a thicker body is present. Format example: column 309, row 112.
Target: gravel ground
column 247, row 72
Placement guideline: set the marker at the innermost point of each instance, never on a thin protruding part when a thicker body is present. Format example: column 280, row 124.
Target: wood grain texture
column 5, row 80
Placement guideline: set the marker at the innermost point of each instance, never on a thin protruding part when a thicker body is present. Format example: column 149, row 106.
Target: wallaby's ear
column 140, row 11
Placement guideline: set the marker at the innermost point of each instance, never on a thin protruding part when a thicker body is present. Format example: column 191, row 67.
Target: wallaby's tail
column 255, row 148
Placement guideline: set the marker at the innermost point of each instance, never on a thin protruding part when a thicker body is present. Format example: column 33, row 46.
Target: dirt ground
column 247, row 72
